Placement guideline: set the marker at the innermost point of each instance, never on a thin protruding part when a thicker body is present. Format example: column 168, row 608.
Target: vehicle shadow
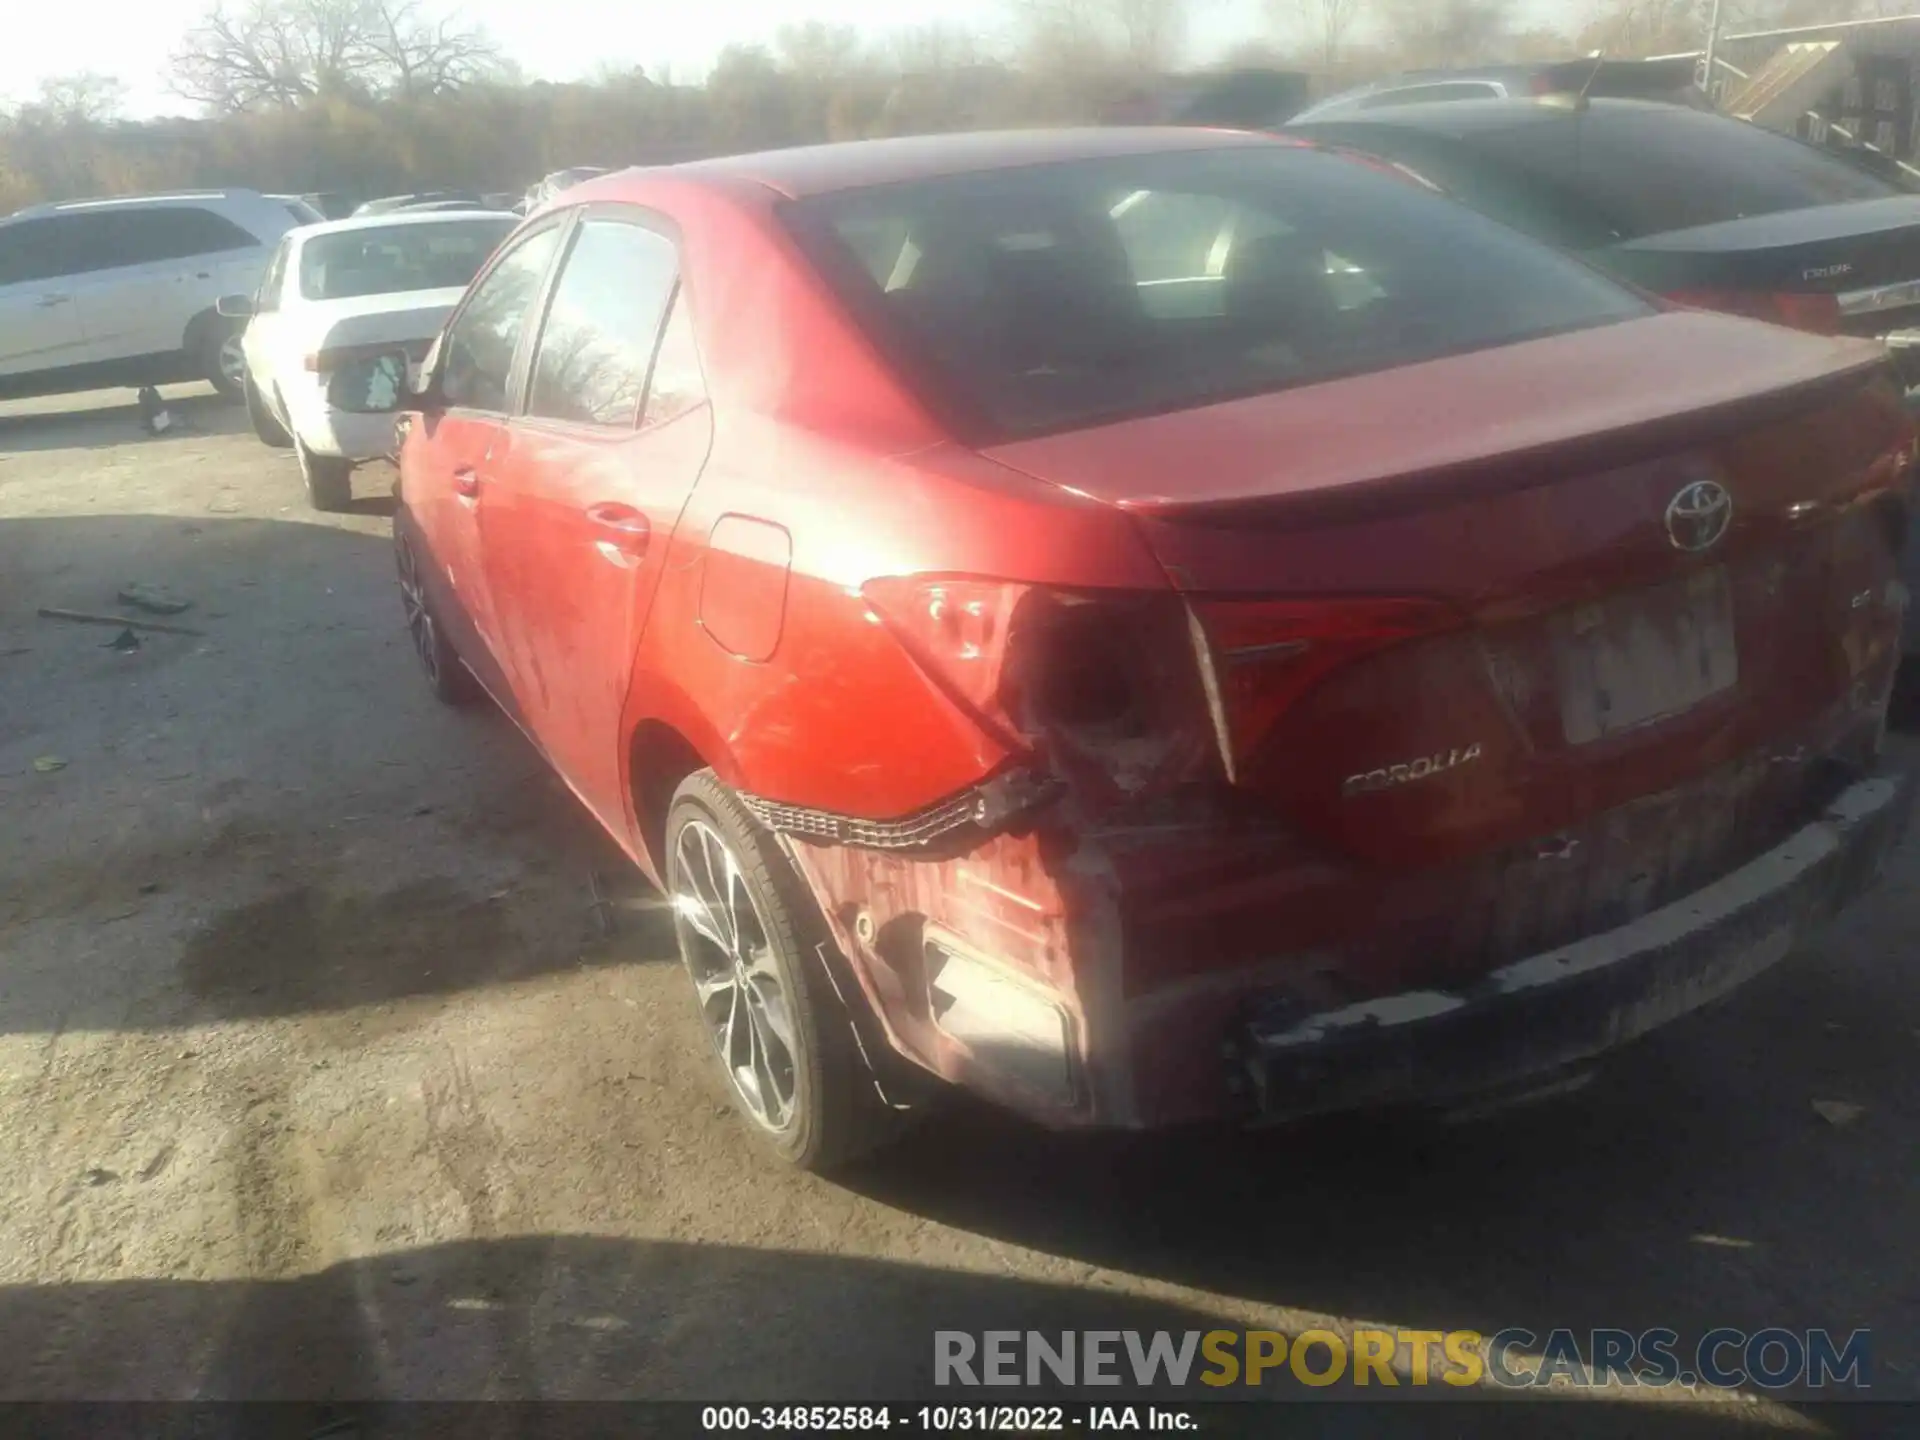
column 571, row 1318
column 269, row 816
column 106, row 419
column 1693, row 1185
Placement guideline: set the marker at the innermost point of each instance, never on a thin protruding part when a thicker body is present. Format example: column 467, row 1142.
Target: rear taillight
column 1093, row 683
column 1260, row 657
column 1799, row 310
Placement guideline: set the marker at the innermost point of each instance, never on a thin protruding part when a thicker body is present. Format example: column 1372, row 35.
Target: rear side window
column 147, row 234
column 600, row 331
column 479, row 349
column 1667, row 168
column 1047, row 297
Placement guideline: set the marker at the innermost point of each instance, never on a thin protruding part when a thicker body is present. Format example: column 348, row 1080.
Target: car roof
column 1469, row 117
column 127, row 202
column 808, row 170
column 403, row 217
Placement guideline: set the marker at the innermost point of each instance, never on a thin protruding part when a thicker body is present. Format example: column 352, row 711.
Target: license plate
column 1633, row 659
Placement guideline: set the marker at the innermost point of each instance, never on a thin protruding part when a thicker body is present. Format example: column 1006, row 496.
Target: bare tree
column 1447, row 32
column 1329, row 21
column 87, row 98
column 427, row 54
column 1081, row 35
column 275, row 53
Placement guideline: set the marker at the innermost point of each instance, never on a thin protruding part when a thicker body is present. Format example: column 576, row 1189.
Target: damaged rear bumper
column 1563, row 1006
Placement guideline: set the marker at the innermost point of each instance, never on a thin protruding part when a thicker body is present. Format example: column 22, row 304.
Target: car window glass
column 267, row 298
column 1033, row 308
column 393, row 259
column 480, row 347
column 1428, row 94
column 1531, row 199
column 31, row 250
column 677, row 383
column 147, row 234
column 599, row 334
column 1662, row 168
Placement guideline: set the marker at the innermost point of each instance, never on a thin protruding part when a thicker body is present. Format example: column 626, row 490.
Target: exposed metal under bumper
column 985, row 807
column 1567, row 1005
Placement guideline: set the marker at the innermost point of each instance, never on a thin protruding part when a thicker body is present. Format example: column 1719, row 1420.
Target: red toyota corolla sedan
column 1157, row 625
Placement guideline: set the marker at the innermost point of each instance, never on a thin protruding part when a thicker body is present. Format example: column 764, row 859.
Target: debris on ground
column 152, row 598
column 1838, row 1113
column 88, row 617
column 47, row 764
column 126, row 642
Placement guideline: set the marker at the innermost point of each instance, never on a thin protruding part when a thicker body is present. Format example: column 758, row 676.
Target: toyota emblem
column 1699, row 515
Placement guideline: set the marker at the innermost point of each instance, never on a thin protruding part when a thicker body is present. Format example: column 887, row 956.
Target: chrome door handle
column 466, row 481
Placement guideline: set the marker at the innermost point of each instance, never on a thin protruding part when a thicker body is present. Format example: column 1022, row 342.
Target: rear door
column 586, row 487
column 151, row 269
column 448, row 456
column 39, row 323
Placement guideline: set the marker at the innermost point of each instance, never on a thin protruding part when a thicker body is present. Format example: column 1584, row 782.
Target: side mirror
column 233, row 307
column 371, row 385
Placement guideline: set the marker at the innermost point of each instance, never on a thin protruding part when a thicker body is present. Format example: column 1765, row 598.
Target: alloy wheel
column 232, row 361
column 413, row 598
column 742, row 993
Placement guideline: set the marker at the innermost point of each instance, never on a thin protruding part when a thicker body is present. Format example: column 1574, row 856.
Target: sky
column 553, row 39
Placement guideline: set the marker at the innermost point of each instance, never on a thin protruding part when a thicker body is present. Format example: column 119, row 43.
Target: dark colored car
column 1694, row 206
column 1157, row 624
column 1705, row 210
column 1672, row 82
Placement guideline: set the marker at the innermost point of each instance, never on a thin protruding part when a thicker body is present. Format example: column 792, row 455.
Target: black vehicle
column 1671, row 82
column 1695, row 206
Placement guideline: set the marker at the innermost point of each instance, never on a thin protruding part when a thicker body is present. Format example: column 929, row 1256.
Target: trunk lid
column 1822, row 250
column 411, row 317
column 1466, row 603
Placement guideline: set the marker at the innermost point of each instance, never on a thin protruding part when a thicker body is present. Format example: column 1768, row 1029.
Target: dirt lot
column 320, row 1078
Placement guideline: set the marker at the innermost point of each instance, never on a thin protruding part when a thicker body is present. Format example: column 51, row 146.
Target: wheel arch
column 204, row 325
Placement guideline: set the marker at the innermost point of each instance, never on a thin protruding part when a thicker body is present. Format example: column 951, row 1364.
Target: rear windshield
column 1644, row 172
column 389, row 259
column 1047, row 297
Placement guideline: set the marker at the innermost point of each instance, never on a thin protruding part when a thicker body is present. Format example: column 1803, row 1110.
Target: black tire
column 219, row 362
column 329, row 479
column 447, row 676
column 270, row 430
column 835, row 1114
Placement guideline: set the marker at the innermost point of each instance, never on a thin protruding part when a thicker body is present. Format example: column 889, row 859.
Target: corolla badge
column 1699, row 515
column 1389, row 777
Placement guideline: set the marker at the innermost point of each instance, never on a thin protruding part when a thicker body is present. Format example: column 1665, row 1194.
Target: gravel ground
column 322, row 1079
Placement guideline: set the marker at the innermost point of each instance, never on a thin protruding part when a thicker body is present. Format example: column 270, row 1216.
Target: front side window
column 267, row 299
column 32, row 250
column 479, row 349
column 1032, row 306
column 393, row 259
column 600, row 330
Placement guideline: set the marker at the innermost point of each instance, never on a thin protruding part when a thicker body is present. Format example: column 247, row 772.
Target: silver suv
column 121, row 292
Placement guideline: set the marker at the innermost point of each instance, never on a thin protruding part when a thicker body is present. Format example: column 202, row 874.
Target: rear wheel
column 748, row 935
column 270, row 430
column 451, row 682
column 329, row 479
